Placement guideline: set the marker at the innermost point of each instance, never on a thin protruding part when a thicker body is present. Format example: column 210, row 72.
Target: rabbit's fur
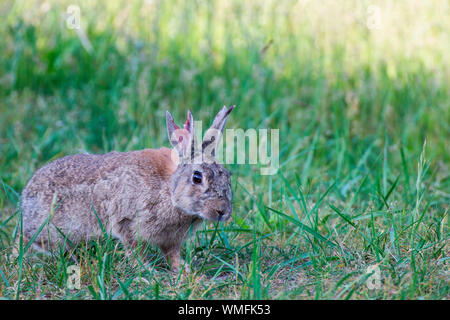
column 150, row 194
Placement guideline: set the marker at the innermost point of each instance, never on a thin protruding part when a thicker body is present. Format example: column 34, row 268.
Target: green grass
column 357, row 186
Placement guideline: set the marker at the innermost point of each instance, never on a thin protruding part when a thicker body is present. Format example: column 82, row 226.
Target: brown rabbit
column 153, row 194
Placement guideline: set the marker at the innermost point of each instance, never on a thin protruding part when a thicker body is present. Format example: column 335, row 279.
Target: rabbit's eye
column 197, row 177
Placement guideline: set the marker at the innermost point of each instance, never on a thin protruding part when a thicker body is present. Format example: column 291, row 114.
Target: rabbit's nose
column 223, row 213
column 220, row 213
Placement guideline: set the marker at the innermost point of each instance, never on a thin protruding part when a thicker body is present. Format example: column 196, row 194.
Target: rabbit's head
column 200, row 185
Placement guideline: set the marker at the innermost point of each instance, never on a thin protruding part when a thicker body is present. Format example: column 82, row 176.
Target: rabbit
column 157, row 195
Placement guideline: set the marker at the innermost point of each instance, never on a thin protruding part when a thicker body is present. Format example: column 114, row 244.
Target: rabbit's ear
column 189, row 151
column 214, row 133
column 181, row 139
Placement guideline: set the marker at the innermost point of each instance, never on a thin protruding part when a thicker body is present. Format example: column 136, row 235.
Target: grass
column 357, row 186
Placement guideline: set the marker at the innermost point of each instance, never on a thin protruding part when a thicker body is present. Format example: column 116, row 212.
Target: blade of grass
column 316, row 235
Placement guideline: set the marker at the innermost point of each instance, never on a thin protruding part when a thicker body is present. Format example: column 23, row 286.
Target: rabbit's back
column 111, row 187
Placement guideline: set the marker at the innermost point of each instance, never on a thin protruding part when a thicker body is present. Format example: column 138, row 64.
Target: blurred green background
column 292, row 65
column 355, row 88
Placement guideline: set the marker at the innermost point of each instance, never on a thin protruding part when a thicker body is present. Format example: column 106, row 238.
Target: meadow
column 359, row 91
